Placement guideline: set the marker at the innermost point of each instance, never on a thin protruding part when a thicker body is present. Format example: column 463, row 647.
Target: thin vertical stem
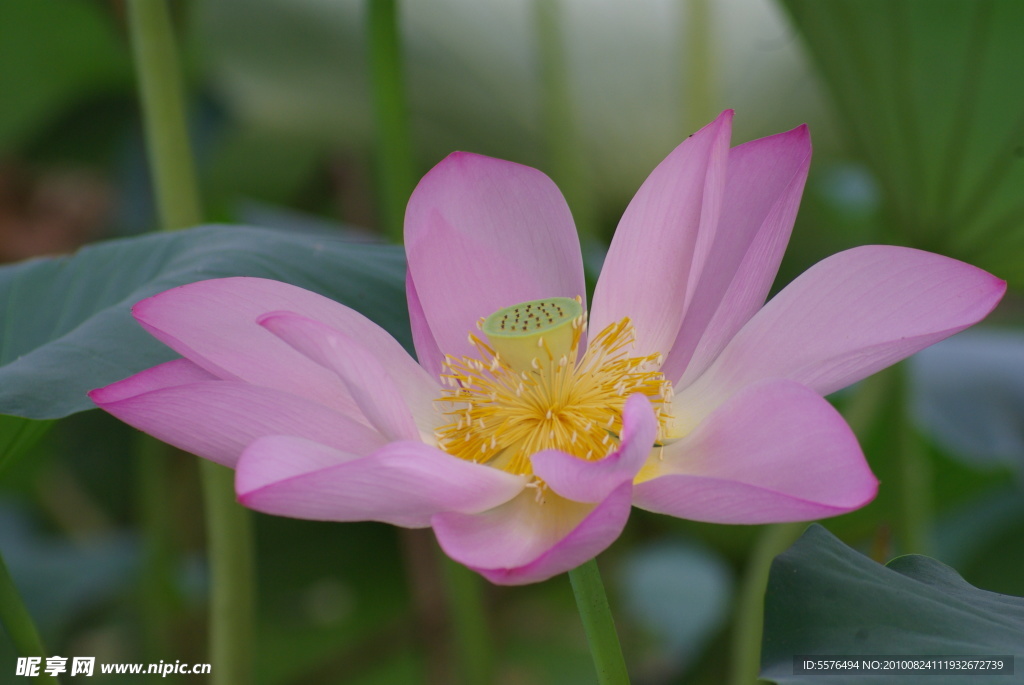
column 469, row 622
column 914, row 476
column 229, row 533
column 17, row 435
column 163, row 110
column 157, row 588
column 232, row 579
column 18, row 622
column 395, row 169
column 880, row 415
column 749, row 625
column 598, row 624
column 698, row 98
column 395, row 181
column 558, row 116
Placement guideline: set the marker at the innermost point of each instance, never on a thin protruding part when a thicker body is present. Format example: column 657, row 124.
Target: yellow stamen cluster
column 500, row 414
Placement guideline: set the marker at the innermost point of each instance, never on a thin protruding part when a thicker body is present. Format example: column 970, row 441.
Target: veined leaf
column 66, row 325
column 824, row 598
column 929, row 92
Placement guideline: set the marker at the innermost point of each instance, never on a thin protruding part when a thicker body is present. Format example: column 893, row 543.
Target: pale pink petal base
column 579, row 512
column 217, row 419
column 592, row 481
column 763, row 187
column 385, row 400
column 482, row 234
column 402, row 483
column 775, row 452
column 662, row 239
column 531, row 539
column 846, row 318
column 213, row 323
column 427, row 352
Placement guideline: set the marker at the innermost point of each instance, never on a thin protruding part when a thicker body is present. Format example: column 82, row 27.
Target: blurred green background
column 917, row 116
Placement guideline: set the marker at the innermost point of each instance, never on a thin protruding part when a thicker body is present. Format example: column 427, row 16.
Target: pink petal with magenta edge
column 218, row 419
column 174, row 372
column 387, row 402
column 482, row 234
column 845, row 318
column 592, row 481
column 427, row 352
column 661, row 240
column 402, row 483
column 763, row 187
column 213, row 323
column 775, row 451
column 525, row 541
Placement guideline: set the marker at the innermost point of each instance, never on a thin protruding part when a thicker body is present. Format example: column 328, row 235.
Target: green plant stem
column 18, row 622
column 232, row 580
column 698, row 64
column 464, row 590
column 395, row 180
column 749, row 624
column 393, row 142
column 913, row 476
column 229, row 532
column 163, row 112
column 17, row 435
column 158, row 596
column 598, row 624
column 879, row 413
column 558, row 117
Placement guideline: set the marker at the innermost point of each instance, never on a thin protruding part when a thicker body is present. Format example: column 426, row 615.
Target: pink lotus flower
column 523, row 444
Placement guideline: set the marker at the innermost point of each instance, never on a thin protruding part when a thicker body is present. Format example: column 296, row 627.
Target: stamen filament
column 502, row 415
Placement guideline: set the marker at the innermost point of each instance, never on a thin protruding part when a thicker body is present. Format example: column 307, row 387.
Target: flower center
column 530, row 389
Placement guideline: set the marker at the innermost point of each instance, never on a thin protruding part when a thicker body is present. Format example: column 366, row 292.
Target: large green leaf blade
column 825, row 598
column 929, row 93
column 66, row 325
